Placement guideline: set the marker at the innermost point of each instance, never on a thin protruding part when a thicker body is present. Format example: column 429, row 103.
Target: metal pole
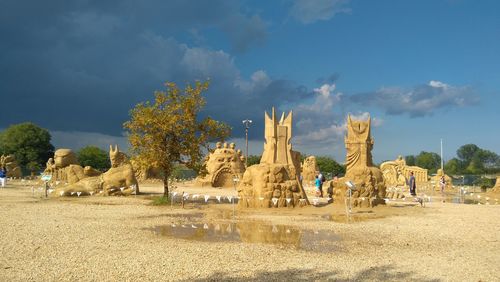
column 442, row 162
column 246, row 140
column 247, row 123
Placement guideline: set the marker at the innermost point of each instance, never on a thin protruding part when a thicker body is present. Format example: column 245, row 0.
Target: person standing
column 442, row 185
column 321, row 181
column 412, row 184
column 3, row 176
column 317, row 184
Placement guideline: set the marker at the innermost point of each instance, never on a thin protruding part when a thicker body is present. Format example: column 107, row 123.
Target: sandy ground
column 122, row 239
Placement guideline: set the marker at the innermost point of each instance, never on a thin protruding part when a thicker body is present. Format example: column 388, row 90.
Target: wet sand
column 127, row 239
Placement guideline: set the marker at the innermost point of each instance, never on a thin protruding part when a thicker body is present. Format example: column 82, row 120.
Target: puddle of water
column 253, row 232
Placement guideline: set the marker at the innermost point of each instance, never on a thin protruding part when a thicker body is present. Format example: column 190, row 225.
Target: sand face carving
column 275, row 181
column 359, row 167
column 10, row 164
column 223, row 165
column 118, row 180
column 397, row 172
column 309, row 169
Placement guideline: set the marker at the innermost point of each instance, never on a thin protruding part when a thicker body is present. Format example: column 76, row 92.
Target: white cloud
column 310, row 11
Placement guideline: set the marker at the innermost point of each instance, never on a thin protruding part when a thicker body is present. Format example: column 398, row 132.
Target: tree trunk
column 166, row 174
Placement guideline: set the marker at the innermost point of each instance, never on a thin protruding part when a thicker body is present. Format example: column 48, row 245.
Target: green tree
column 329, row 165
column 253, row 159
column 94, row 157
column 29, row 143
column 467, row 152
column 167, row 132
column 454, row 166
column 410, row 160
column 428, row 160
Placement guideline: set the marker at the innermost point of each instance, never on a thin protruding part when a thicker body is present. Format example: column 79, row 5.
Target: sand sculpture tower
column 275, row 181
column 359, row 166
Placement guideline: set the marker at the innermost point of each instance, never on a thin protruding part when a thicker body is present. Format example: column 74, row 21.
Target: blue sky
column 423, row 70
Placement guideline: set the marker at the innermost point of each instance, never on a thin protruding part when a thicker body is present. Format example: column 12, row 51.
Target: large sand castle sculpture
column 10, row 164
column 436, row 180
column 118, row 180
column 275, row 181
column 368, row 179
column 397, row 172
column 309, row 169
column 223, row 165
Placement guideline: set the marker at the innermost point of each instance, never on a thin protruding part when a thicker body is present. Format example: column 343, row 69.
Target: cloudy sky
column 423, row 70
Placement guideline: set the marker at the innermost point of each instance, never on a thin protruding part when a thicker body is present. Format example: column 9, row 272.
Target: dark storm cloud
column 81, row 65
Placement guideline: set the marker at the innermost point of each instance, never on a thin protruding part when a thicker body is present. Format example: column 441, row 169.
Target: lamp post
column 247, row 124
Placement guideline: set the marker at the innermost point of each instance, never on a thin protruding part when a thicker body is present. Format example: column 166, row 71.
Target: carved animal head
column 116, row 157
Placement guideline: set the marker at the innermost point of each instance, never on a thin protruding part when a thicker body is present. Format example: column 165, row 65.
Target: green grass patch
column 160, row 201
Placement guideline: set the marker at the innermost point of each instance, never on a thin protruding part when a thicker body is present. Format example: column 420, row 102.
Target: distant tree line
column 470, row 159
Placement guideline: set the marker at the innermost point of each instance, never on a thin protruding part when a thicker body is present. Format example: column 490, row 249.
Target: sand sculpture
column 275, row 181
column 397, row 172
column 223, row 165
column 64, row 167
column 367, row 178
column 496, row 188
column 118, row 180
column 309, row 169
column 435, row 179
column 10, row 164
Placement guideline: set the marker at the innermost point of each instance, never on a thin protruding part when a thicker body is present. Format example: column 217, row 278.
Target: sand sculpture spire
column 278, row 135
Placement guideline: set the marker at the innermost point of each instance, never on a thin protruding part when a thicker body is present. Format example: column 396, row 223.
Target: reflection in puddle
column 252, row 232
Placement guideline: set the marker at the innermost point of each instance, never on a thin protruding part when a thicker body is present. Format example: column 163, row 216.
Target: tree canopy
column 329, row 165
column 94, row 157
column 167, row 131
column 29, row 143
column 473, row 160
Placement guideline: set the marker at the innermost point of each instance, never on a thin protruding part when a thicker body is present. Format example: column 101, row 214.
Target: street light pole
column 247, row 123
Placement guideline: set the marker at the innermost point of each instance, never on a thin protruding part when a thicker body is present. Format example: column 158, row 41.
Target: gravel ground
column 112, row 239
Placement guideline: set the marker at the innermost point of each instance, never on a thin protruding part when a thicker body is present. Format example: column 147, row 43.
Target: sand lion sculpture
column 10, row 164
column 275, row 181
column 223, row 165
column 368, row 179
column 118, row 180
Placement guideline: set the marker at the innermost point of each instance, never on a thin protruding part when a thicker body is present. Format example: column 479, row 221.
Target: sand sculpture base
column 270, row 185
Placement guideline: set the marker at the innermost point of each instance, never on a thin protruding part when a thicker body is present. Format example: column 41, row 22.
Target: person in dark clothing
column 412, row 184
